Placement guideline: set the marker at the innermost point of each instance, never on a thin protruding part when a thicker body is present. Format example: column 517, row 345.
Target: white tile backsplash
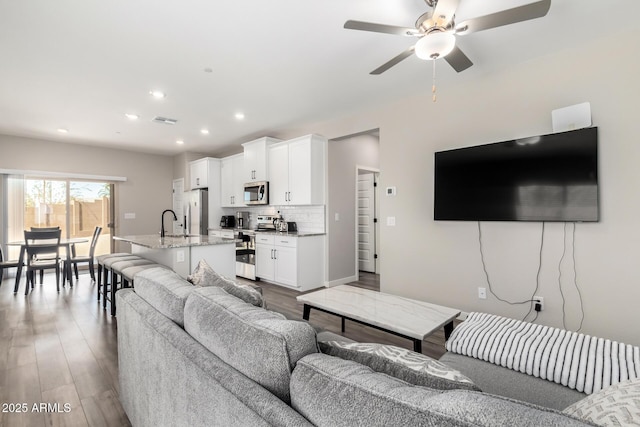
column 310, row 219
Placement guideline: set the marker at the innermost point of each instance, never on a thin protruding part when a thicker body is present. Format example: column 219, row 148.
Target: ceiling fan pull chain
column 433, row 86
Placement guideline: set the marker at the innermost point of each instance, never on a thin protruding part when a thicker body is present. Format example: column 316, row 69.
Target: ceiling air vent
column 164, row 120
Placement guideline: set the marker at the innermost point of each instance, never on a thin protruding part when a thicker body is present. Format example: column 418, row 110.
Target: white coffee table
column 400, row 316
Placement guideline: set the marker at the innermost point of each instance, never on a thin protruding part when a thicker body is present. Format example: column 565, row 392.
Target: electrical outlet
column 538, row 300
column 482, row 293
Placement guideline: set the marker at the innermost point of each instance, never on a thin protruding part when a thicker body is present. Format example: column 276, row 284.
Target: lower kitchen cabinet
column 296, row 262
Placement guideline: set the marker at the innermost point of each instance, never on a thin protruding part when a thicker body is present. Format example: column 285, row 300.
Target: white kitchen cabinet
column 231, row 181
column 295, row 262
column 297, row 171
column 255, row 159
column 199, row 173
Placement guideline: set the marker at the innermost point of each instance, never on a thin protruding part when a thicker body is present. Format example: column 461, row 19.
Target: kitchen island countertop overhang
column 153, row 241
column 182, row 254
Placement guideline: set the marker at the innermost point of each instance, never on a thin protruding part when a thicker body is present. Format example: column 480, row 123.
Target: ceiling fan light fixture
column 437, row 44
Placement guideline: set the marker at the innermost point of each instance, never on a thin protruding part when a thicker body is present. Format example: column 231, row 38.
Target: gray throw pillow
column 616, row 405
column 414, row 368
column 204, row 275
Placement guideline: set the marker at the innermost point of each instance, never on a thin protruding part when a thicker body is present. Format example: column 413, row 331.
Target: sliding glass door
column 77, row 207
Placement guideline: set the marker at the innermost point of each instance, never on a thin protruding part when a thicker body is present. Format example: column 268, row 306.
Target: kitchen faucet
column 175, row 218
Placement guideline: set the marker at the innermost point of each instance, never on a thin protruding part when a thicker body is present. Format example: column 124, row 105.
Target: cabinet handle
column 197, row 181
column 275, row 254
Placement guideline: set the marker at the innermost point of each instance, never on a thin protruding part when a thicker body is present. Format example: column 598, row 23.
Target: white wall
column 439, row 261
column 146, row 192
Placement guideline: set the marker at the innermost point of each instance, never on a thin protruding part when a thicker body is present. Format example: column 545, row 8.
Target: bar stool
column 100, row 260
column 105, row 263
column 116, row 268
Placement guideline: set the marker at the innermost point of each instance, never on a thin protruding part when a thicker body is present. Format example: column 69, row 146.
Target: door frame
column 376, row 231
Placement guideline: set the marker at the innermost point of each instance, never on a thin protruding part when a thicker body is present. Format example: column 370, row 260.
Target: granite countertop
column 273, row 233
column 154, row 241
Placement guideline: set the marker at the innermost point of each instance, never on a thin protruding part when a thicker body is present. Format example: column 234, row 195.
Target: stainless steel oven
column 256, row 193
column 246, row 254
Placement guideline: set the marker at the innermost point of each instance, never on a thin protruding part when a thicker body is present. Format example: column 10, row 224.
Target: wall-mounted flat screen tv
column 542, row 178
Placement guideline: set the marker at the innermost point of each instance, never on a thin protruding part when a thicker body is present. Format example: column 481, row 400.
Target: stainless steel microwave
column 256, row 193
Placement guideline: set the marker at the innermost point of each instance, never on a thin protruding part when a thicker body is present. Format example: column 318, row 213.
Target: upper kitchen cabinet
column 255, row 159
column 297, row 171
column 200, row 172
column 232, row 181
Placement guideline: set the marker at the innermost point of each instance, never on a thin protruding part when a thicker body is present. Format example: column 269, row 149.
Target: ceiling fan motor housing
column 426, row 23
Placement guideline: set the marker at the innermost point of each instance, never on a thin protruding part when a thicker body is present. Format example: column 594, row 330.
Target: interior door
column 366, row 224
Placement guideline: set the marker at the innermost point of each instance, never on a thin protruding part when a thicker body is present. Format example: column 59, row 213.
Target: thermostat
column 391, row 191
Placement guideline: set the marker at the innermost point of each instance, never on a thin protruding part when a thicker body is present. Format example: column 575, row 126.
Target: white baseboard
column 342, row 281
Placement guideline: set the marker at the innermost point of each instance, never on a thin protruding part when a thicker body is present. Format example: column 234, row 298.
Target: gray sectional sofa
column 199, row 356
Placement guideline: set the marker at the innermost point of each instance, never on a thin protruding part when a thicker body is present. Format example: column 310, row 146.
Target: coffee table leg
column 448, row 328
column 342, row 324
column 417, row 346
column 306, row 311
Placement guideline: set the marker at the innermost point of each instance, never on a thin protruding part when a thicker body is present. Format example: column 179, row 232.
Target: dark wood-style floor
column 62, row 349
column 58, row 349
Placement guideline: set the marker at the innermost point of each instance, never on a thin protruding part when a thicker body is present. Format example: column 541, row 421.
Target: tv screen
column 542, row 178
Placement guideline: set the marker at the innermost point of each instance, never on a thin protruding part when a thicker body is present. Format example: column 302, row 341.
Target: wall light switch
column 391, row 221
column 337, row 216
column 130, row 215
column 180, row 256
column 391, row 191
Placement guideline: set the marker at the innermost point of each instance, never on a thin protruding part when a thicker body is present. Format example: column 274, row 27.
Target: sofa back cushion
column 261, row 344
column 165, row 290
column 330, row 391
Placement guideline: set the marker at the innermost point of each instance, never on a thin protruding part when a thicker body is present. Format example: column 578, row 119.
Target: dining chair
column 74, row 260
column 37, row 244
column 45, row 256
column 7, row 264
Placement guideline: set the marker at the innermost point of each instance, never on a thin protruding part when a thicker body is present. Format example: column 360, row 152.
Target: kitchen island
column 182, row 254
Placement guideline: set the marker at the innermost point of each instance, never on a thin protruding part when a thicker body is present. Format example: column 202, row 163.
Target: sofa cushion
column 261, row 344
column 506, row 382
column 414, row 368
column 617, row 405
column 165, row 290
column 204, row 275
column 329, row 391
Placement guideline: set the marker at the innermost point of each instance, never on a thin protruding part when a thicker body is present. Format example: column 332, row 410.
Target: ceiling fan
column 436, row 31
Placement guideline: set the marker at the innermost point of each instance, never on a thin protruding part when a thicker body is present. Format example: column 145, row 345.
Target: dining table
column 64, row 243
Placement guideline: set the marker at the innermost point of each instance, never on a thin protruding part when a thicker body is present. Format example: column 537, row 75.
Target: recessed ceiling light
column 204, row 131
column 179, row 142
column 131, row 116
column 157, row 94
column 63, row 130
column 239, row 116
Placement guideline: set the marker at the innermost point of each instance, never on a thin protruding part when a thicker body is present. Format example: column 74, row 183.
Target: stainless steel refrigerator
column 198, row 212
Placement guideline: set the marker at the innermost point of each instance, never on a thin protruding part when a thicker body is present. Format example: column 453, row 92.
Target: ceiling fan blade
column 384, row 67
column 506, row 17
column 444, row 12
column 380, row 28
column 458, row 60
